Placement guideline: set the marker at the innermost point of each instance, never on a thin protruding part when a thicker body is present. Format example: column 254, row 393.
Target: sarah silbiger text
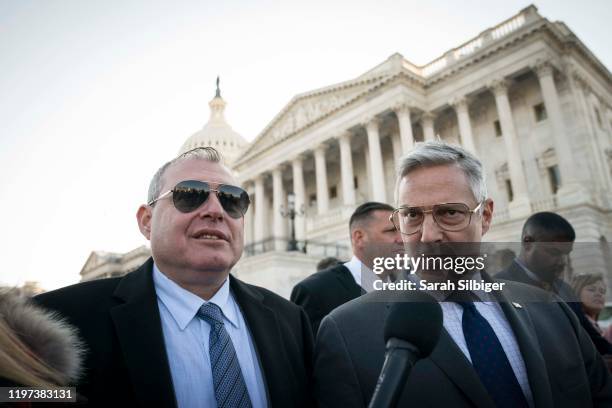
column 447, row 286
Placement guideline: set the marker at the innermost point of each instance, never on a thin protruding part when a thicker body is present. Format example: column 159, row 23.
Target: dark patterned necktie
column 490, row 360
column 230, row 388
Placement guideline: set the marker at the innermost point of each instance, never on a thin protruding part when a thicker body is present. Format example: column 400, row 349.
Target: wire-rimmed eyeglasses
column 451, row 217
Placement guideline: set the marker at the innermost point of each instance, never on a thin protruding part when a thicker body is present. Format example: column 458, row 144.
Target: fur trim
column 49, row 336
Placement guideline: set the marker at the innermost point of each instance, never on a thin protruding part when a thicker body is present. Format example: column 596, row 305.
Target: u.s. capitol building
column 527, row 96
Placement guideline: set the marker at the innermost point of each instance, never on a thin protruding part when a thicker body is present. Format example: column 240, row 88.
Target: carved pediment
column 93, row 260
column 98, row 258
column 307, row 109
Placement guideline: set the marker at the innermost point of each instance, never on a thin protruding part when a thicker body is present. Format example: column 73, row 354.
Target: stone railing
column 332, row 217
column 468, row 48
column 434, row 66
column 508, row 26
column 544, row 204
column 485, row 38
column 315, row 248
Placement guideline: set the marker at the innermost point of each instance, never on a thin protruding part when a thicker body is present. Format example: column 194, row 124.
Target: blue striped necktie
column 489, row 360
column 230, row 388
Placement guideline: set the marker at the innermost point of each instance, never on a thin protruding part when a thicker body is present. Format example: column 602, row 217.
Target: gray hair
column 435, row 153
column 207, row 153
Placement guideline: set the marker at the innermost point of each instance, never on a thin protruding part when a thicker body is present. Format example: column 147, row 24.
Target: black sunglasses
column 189, row 195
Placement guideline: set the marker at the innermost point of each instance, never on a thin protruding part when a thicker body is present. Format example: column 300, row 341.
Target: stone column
column 396, row 142
column 300, row 197
column 578, row 86
column 520, row 205
column 368, row 171
column 465, row 125
column 428, row 126
column 260, row 211
column 248, row 217
column 377, row 174
column 346, row 169
column 405, row 128
column 321, row 170
column 278, row 196
column 565, row 159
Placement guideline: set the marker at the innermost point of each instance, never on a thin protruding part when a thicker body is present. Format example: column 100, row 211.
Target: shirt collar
column 354, row 266
column 366, row 279
column 482, row 296
column 184, row 305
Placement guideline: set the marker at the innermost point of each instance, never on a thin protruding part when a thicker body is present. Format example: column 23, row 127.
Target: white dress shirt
column 363, row 275
column 187, row 337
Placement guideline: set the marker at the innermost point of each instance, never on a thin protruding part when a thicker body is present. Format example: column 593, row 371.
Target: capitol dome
column 217, row 133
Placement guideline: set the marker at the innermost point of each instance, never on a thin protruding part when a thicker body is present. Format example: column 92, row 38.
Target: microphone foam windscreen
column 418, row 321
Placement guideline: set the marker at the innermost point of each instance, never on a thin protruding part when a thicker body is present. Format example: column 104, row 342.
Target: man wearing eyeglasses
column 180, row 330
column 493, row 351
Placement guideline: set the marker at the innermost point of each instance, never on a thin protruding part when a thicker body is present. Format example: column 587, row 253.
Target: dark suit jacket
column 324, row 291
column 127, row 363
column 515, row 272
column 563, row 367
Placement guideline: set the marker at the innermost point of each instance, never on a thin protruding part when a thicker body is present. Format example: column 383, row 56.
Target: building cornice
column 396, row 69
column 255, row 147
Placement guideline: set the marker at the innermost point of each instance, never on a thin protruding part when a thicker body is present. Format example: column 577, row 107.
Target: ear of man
column 357, row 237
column 487, row 215
column 143, row 216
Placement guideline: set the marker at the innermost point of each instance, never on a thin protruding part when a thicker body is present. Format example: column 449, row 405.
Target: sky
column 96, row 95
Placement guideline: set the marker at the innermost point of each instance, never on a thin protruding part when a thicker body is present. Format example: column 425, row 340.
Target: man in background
column 547, row 240
column 370, row 230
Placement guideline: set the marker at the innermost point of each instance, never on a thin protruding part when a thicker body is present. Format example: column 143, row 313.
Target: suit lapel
column 344, row 276
column 264, row 328
column 527, row 340
column 138, row 327
column 450, row 359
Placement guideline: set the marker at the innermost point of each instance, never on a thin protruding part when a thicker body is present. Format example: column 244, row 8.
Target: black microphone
column 412, row 330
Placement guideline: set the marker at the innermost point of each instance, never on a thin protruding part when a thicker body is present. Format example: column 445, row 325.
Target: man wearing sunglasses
column 180, row 330
column 493, row 350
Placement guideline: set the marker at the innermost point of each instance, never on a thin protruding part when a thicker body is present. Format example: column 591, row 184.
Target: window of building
column 554, row 178
column 498, row 131
column 509, row 190
column 356, row 183
column 333, row 192
column 312, row 199
column 598, row 116
column 540, row 112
